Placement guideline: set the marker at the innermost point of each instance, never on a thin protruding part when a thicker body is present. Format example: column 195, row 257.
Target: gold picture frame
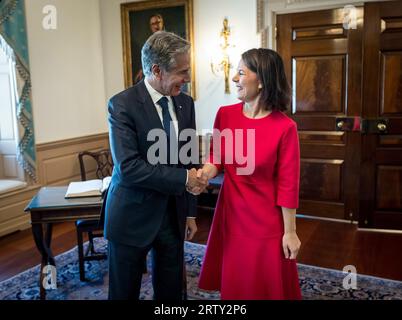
column 177, row 17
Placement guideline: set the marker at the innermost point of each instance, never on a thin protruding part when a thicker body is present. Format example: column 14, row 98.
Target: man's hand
column 191, row 228
column 197, row 182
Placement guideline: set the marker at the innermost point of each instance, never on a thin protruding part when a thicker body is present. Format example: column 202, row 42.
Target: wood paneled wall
column 57, row 165
column 58, row 161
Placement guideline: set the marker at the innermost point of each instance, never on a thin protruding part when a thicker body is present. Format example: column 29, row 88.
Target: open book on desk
column 89, row 188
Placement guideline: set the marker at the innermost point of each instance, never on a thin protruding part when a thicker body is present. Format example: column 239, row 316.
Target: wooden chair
column 94, row 228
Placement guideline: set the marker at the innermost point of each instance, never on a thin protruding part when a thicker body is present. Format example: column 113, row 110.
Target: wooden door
column 323, row 63
column 381, row 168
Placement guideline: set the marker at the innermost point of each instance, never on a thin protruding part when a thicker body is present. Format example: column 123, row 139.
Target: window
column 9, row 167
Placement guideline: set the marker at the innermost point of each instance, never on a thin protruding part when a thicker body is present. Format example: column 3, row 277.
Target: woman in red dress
column 253, row 243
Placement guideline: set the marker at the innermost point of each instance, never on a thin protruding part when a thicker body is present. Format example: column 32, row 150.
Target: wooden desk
column 49, row 206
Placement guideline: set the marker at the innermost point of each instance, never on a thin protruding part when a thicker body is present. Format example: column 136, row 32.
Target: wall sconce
column 223, row 64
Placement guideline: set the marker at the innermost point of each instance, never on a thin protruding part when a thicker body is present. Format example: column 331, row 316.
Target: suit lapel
column 179, row 115
column 154, row 121
column 149, row 108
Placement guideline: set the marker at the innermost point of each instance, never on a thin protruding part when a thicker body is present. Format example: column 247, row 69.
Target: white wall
column 112, row 46
column 66, row 70
column 76, row 68
column 208, row 19
column 208, row 23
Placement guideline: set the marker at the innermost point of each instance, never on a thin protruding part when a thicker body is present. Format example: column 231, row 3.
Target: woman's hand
column 208, row 171
column 291, row 245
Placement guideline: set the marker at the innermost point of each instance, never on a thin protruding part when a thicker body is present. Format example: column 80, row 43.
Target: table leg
column 48, row 239
column 43, row 242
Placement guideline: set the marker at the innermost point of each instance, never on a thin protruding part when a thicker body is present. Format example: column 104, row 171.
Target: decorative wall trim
column 57, row 165
column 261, row 22
column 58, row 161
column 67, row 142
column 260, row 15
column 275, row 7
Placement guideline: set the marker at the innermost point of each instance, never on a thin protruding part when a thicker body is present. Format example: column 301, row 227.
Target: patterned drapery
column 14, row 42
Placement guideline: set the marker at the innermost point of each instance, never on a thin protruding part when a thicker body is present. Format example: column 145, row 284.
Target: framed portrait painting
column 142, row 19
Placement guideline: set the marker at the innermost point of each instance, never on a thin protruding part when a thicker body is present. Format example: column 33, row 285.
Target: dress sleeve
column 215, row 143
column 288, row 174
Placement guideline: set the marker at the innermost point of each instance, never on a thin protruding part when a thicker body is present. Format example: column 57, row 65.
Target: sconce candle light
column 224, row 64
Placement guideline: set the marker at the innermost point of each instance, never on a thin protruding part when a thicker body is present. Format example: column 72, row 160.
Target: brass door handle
column 365, row 126
column 376, row 126
column 348, row 124
column 382, row 127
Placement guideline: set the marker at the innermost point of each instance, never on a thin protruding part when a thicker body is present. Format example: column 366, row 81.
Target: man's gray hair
column 161, row 48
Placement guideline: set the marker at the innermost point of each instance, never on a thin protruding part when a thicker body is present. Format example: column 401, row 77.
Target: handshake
column 197, row 181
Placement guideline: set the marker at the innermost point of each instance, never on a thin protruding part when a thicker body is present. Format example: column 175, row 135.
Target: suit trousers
column 126, row 263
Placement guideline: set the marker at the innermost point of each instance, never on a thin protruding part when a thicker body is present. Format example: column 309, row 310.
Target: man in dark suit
column 147, row 205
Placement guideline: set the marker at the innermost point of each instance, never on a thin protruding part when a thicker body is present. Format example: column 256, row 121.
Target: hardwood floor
column 324, row 243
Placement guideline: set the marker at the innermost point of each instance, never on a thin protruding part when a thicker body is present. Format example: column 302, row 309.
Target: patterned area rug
column 316, row 283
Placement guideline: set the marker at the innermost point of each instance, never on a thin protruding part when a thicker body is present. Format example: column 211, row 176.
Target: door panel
column 391, row 83
column 348, row 107
column 318, row 86
column 323, row 62
column 325, row 173
column 381, row 168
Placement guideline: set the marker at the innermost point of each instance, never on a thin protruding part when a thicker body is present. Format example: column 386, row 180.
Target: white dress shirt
column 156, row 96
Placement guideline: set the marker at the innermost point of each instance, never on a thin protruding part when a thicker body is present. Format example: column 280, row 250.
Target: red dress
column 244, row 257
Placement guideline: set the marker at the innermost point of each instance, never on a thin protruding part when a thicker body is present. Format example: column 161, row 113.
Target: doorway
column 347, row 103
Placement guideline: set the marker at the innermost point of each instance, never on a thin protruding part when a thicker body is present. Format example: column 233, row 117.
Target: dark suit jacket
column 138, row 194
